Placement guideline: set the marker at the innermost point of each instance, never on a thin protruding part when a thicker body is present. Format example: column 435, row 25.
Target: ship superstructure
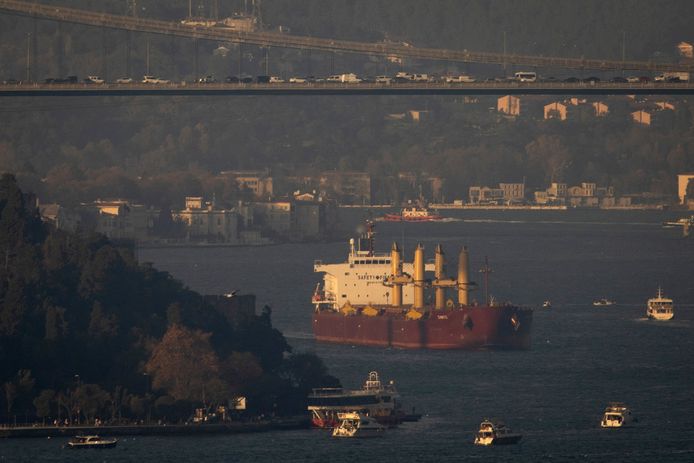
column 359, row 280
column 379, row 300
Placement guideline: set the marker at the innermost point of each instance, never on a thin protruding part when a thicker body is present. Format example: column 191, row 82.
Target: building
column 557, row 190
column 258, row 182
column 484, row 195
column 509, row 105
column 555, row 110
column 204, row 222
column 347, row 187
column 60, row 217
column 601, row 109
column 641, row 117
column 513, row 192
column 121, row 220
column 682, row 183
column 277, row 216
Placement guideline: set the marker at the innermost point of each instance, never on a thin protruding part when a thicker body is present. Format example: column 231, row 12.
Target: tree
column 184, row 364
column 44, row 403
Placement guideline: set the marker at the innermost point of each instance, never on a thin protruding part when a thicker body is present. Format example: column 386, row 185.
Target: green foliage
column 92, row 324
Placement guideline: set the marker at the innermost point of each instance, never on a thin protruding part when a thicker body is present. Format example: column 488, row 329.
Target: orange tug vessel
column 374, row 299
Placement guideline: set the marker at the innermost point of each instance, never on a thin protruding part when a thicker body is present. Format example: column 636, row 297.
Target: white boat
column 355, row 424
column 616, row 415
column 681, row 222
column 660, row 308
column 603, row 302
column 547, row 305
column 91, row 442
column 494, row 432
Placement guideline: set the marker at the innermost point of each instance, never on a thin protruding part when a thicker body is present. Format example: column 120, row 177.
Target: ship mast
column 486, row 270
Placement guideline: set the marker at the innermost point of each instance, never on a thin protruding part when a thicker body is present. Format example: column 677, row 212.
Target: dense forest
column 86, row 332
column 157, row 150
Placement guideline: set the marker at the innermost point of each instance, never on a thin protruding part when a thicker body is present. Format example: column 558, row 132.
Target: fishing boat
column 355, row 424
column 91, row 442
column 494, row 432
column 603, row 303
column 660, row 307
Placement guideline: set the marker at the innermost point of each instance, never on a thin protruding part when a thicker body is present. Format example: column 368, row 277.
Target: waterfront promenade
column 232, row 427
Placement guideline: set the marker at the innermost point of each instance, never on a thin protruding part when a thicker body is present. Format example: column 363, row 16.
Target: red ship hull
column 465, row 328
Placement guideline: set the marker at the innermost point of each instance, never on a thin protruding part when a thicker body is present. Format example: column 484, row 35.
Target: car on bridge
column 93, row 80
column 461, row 79
column 154, row 80
column 207, row 80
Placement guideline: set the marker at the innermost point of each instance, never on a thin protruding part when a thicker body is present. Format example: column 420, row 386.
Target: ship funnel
column 439, row 264
column 463, row 276
column 396, row 271
column 419, row 277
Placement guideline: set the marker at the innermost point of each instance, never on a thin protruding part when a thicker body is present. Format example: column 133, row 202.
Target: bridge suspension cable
column 281, row 40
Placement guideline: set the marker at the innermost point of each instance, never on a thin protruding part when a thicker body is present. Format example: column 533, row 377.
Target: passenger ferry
column 358, row 425
column 494, row 432
column 414, row 214
column 376, row 400
column 660, row 308
column 616, row 415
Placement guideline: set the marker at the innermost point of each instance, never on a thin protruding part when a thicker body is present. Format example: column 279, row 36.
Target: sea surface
column 582, row 356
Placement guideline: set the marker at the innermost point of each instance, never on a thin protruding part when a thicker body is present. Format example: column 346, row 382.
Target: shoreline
column 534, row 207
column 234, row 427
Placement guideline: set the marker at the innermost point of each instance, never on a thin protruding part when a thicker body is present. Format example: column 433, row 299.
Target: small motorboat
column 603, row 302
column 660, row 307
column 91, row 442
column 616, row 415
column 355, row 424
column 494, row 432
column 547, row 305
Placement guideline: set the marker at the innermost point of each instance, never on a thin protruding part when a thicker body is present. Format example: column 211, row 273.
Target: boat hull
column 465, row 328
column 400, row 218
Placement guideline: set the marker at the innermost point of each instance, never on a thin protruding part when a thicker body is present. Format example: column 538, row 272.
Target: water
column 582, row 356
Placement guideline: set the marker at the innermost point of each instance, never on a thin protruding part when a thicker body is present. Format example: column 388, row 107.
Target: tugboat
column 660, row 308
column 91, row 442
column 494, row 432
column 616, row 415
column 355, row 424
column 603, row 303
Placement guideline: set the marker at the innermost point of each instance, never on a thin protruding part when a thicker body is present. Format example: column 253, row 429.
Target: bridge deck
column 481, row 88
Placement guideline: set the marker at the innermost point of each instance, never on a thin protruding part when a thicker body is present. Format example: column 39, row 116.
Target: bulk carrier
column 376, row 299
